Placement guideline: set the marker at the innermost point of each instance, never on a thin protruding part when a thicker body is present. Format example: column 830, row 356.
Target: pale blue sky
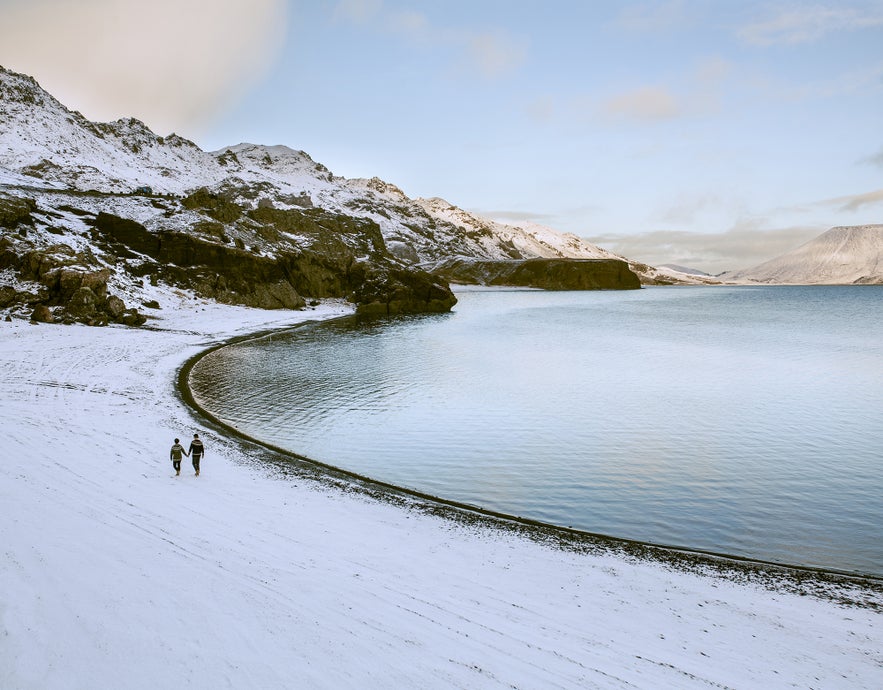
column 715, row 134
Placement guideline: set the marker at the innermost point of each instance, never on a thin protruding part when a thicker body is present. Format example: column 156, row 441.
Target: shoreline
column 266, row 570
column 728, row 565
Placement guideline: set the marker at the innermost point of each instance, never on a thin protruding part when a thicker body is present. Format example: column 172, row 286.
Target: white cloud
column 648, row 103
column 489, row 53
column 654, row 17
column 357, row 11
column 409, row 23
column 172, row 63
column 494, row 54
column 805, row 24
column 745, row 245
column 854, row 202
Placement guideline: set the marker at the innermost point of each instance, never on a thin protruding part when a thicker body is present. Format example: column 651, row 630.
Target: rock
column 132, row 318
column 548, row 274
column 325, row 267
column 152, row 304
column 42, row 314
column 114, row 307
column 15, row 210
column 82, row 304
column 8, row 296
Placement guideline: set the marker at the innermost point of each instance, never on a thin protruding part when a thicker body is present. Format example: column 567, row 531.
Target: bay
column 740, row 420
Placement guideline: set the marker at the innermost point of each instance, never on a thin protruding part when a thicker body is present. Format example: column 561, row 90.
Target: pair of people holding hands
column 195, row 454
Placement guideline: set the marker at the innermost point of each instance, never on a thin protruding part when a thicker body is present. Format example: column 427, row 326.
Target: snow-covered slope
column 50, row 146
column 259, row 574
column 842, row 255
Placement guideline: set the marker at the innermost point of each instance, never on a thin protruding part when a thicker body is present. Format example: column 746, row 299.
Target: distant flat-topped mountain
column 841, row 256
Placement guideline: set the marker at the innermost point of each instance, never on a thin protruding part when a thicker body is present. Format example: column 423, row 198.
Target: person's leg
column 177, row 465
column 196, row 459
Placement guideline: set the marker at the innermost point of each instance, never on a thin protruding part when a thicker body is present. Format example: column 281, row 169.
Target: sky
column 710, row 134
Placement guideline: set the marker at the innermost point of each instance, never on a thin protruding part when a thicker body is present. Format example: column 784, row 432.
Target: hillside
column 840, row 256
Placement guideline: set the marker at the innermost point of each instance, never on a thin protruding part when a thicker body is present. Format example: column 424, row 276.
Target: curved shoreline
column 802, row 578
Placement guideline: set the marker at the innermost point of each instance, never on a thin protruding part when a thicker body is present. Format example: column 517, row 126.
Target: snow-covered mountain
column 842, row 255
column 44, row 144
column 52, row 145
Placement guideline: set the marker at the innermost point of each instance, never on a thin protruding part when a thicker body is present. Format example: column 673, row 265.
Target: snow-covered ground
column 116, row 574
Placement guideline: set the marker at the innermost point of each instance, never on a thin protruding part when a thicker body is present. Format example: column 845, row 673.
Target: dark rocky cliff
column 549, row 274
column 232, row 275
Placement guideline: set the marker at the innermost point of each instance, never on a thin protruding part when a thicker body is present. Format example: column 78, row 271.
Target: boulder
column 114, row 307
column 41, row 314
column 8, row 296
column 83, row 303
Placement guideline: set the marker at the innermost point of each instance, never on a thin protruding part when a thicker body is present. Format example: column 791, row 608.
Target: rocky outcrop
column 15, row 211
column 67, row 291
column 234, row 275
column 548, row 274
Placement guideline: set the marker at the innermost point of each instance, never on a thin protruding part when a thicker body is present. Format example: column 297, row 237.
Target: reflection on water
column 743, row 420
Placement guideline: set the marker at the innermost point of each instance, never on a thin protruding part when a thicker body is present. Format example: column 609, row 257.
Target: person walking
column 196, row 452
column 176, row 453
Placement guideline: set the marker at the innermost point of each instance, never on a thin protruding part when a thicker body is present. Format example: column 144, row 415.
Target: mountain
column 685, row 269
column 45, row 141
column 841, row 256
column 250, row 224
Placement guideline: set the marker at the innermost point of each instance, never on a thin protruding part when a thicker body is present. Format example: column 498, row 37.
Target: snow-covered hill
column 49, row 146
column 842, row 255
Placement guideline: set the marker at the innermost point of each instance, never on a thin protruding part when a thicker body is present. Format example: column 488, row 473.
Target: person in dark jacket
column 196, row 452
column 176, row 453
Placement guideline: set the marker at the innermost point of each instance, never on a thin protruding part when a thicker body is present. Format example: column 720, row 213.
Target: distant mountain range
column 842, row 255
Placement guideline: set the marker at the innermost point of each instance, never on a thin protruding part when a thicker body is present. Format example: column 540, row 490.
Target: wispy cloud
column 698, row 93
column 489, row 53
column 805, row 24
column 748, row 243
column 409, row 23
column 356, row 11
column 876, row 159
column 495, row 53
column 854, row 202
column 647, row 103
column 517, row 216
column 654, row 17
column 173, row 65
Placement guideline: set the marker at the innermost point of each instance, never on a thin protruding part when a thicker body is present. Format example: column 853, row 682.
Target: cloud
column 495, row 54
column 854, row 202
column 172, row 63
column 356, row 11
column 654, row 17
column 648, row 103
column 808, row 24
column 489, row 53
column 745, row 245
column 409, row 23
column 876, row 159
column 516, row 217
column 687, row 207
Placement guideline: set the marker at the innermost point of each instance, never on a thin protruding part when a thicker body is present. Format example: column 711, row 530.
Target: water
column 740, row 420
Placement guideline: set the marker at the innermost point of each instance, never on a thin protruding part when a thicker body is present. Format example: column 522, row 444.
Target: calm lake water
column 743, row 420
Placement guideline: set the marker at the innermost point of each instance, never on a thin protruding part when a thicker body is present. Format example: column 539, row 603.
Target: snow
column 117, row 574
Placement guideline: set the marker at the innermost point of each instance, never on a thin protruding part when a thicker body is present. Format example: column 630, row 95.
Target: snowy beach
column 117, row 574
